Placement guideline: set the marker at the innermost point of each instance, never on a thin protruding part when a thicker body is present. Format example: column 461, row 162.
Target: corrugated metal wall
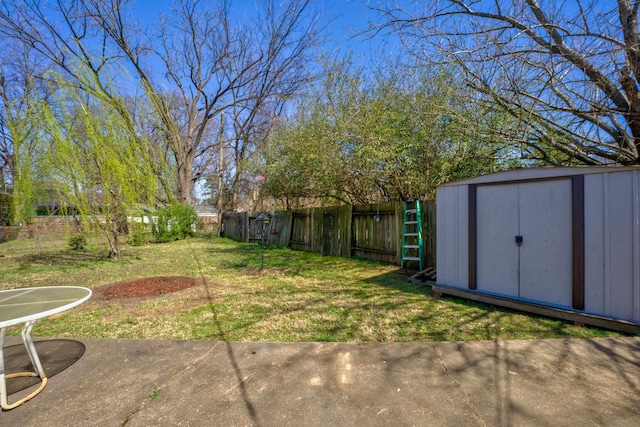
column 609, row 276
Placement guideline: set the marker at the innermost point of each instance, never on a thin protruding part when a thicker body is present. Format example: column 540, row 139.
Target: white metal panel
column 620, row 257
column 594, row 243
column 612, row 238
column 452, row 236
column 497, row 226
column 447, row 270
column 607, row 244
column 546, row 251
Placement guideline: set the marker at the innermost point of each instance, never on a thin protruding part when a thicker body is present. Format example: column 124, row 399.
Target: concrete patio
column 106, row 382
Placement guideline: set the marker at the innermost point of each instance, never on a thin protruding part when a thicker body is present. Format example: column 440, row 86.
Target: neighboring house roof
column 206, row 210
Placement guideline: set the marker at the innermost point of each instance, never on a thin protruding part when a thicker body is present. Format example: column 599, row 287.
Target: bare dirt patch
column 146, row 287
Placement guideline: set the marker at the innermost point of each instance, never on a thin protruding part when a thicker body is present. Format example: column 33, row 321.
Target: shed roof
column 540, row 173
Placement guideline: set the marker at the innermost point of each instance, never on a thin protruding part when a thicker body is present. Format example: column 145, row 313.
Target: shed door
column 546, row 251
column 497, row 224
column 540, row 268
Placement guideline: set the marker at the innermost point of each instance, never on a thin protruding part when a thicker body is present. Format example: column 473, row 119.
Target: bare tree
column 207, row 65
column 63, row 34
column 567, row 71
column 192, row 67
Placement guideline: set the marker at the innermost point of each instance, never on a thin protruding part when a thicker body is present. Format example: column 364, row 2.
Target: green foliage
column 100, row 164
column 396, row 134
column 175, row 222
column 138, row 234
column 21, row 120
column 6, row 209
column 77, row 241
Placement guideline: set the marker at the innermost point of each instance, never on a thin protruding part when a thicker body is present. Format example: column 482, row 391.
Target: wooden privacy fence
column 372, row 231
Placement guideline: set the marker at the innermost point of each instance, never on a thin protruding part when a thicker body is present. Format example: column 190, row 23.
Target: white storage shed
column 566, row 239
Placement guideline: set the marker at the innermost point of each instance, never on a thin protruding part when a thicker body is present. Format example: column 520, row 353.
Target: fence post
column 304, row 229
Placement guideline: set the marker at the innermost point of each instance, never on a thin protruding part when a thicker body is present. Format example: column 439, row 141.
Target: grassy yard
column 297, row 296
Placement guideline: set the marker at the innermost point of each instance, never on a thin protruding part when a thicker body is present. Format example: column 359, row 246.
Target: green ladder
column 412, row 233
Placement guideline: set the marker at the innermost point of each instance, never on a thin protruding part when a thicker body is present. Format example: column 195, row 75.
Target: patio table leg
column 35, row 362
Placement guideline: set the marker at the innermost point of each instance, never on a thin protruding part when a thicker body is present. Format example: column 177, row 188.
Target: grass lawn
column 297, row 296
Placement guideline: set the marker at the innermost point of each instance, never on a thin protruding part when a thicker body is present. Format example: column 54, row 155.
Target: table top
column 24, row 305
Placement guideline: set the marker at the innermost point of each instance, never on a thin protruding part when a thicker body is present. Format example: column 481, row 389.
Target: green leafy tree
column 101, row 166
column 176, row 222
column 22, row 95
column 391, row 135
column 196, row 62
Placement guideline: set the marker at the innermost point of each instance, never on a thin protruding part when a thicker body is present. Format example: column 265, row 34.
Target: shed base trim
column 572, row 316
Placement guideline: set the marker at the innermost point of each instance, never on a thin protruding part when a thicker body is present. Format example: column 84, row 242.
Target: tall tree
column 192, row 66
column 566, row 70
column 22, row 95
column 100, row 165
column 364, row 137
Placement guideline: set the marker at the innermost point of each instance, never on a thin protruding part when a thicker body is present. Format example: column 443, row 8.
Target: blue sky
column 345, row 18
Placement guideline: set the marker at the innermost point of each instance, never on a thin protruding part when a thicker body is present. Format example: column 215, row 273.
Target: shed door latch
column 519, row 240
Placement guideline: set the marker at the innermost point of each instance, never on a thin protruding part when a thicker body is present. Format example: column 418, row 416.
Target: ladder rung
column 411, row 246
column 411, row 258
column 411, row 234
column 411, row 211
column 410, row 222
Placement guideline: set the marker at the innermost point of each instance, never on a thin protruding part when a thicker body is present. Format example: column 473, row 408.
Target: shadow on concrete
column 56, row 355
column 230, row 353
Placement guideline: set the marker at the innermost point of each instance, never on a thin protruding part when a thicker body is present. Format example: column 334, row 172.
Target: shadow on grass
column 222, row 335
column 340, row 297
column 282, row 259
column 482, row 320
column 64, row 257
column 398, row 280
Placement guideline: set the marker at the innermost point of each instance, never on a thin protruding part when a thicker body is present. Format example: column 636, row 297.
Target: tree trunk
column 185, row 183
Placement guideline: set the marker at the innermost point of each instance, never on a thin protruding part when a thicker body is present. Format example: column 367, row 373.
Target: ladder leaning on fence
column 412, row 233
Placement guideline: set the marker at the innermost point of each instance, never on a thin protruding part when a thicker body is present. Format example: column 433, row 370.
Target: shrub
column 6, row 209
column 77, row 241
column 176, row 222
column 138, row 234
column 9, row 233
column 139, row 238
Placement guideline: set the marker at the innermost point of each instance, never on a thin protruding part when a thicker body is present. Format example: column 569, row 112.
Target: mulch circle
column 147, row 286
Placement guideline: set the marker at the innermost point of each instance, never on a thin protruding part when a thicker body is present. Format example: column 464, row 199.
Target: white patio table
column 27, row 305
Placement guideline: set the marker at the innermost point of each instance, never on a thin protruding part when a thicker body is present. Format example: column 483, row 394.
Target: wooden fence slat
column 372, row 231
column 429, row 232
column 235, row 225
column 280, row 228
column 301, row 230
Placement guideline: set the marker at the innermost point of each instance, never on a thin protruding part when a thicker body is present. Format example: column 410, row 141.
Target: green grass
column 297, row 296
